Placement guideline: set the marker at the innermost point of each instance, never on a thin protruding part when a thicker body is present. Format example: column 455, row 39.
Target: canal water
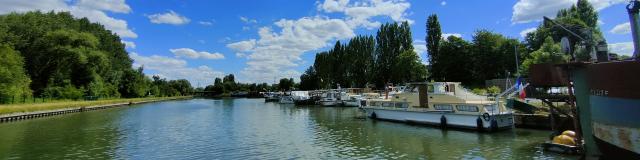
column 251, row 129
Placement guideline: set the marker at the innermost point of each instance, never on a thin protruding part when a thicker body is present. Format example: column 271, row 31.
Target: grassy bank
column 33, row 107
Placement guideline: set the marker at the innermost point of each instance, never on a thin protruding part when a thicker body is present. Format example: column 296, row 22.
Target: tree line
column 56, row 55
column 227, row 85
column 490, row 55
column 367, row 61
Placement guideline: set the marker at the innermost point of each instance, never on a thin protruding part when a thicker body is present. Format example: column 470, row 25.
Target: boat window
column 401, row 105
column 467, row 108
column 443, row 107
column 490, row 108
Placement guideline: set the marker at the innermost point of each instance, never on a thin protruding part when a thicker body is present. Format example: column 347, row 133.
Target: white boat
column 288, row 99
column 330, row 98
column 271, row 97
column 444, row 104
column 353, row 101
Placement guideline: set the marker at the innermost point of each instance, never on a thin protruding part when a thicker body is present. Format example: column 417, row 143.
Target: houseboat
column 444, row 104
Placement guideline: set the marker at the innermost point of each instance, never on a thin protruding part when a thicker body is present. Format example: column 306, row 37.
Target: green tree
column 286, row 84
column 391, row 40
column 309, row 79
column 433, row 38
column 580, row 18
column 13, row 80
column 549, row 52
column 453, row 63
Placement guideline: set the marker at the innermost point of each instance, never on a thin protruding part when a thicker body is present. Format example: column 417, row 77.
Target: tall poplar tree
column 434, row 35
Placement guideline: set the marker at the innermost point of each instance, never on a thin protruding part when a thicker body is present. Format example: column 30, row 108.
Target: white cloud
column 622, row 48
column 170, row 17
column 129, row 44
column 360, row 15
column 32, row 5
column 278, row 49
column 333, row 5
column 243, row 46
column 524, row 32
column 248, row 20
column 525, row 11
column 245, row 28
column 443, row 3
column 275, row 53
column 623, row 28
column 172, row 68
column 190, row 53
column 118, row 6
column 420, row 47
column 118, row 26
column 446, row 35
column 205, row 23
column 92, row 10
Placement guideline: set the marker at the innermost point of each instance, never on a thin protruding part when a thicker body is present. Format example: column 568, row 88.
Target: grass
column 33, row 107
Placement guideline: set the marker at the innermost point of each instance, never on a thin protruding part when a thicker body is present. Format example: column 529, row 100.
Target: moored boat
column 331, row 98
column 444, row 104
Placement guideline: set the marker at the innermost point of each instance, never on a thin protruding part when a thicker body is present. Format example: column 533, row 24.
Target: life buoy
column 486, row 116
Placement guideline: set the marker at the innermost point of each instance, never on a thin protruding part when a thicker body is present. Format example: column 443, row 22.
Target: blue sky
column 259, row 41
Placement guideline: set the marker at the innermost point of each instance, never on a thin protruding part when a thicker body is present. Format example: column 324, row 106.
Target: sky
column 265, row 40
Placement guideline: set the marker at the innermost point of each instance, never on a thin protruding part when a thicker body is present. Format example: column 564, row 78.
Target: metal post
column 633, row 8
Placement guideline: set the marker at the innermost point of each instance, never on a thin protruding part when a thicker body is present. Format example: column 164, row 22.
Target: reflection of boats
column 446, row 105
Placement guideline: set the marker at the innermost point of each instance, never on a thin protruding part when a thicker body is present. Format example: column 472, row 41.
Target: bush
column 493, row 90
column 479, row 91
column 67, row 92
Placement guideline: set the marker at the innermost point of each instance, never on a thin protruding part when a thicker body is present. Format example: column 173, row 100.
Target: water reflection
column 250, row 129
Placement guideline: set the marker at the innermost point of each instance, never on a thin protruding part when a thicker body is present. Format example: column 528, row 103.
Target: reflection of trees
column 379, row 139
column 74, row 136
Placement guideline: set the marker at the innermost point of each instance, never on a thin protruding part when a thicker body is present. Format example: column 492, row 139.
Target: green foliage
column 549, row 52
column 67, row 57
column 479, row 91
column 493, row 90
column 309, row 79
column 448, row 66
column 67, row 91
column 13, row 81
column 391, row 40
column 433, row 38
column 581, row 19
column 488, row 56
column 387, row 58
column 286, row 84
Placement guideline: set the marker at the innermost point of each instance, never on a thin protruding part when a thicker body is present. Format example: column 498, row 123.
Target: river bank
column 27, row 111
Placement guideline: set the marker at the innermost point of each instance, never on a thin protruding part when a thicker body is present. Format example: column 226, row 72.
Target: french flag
column 520, row 88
